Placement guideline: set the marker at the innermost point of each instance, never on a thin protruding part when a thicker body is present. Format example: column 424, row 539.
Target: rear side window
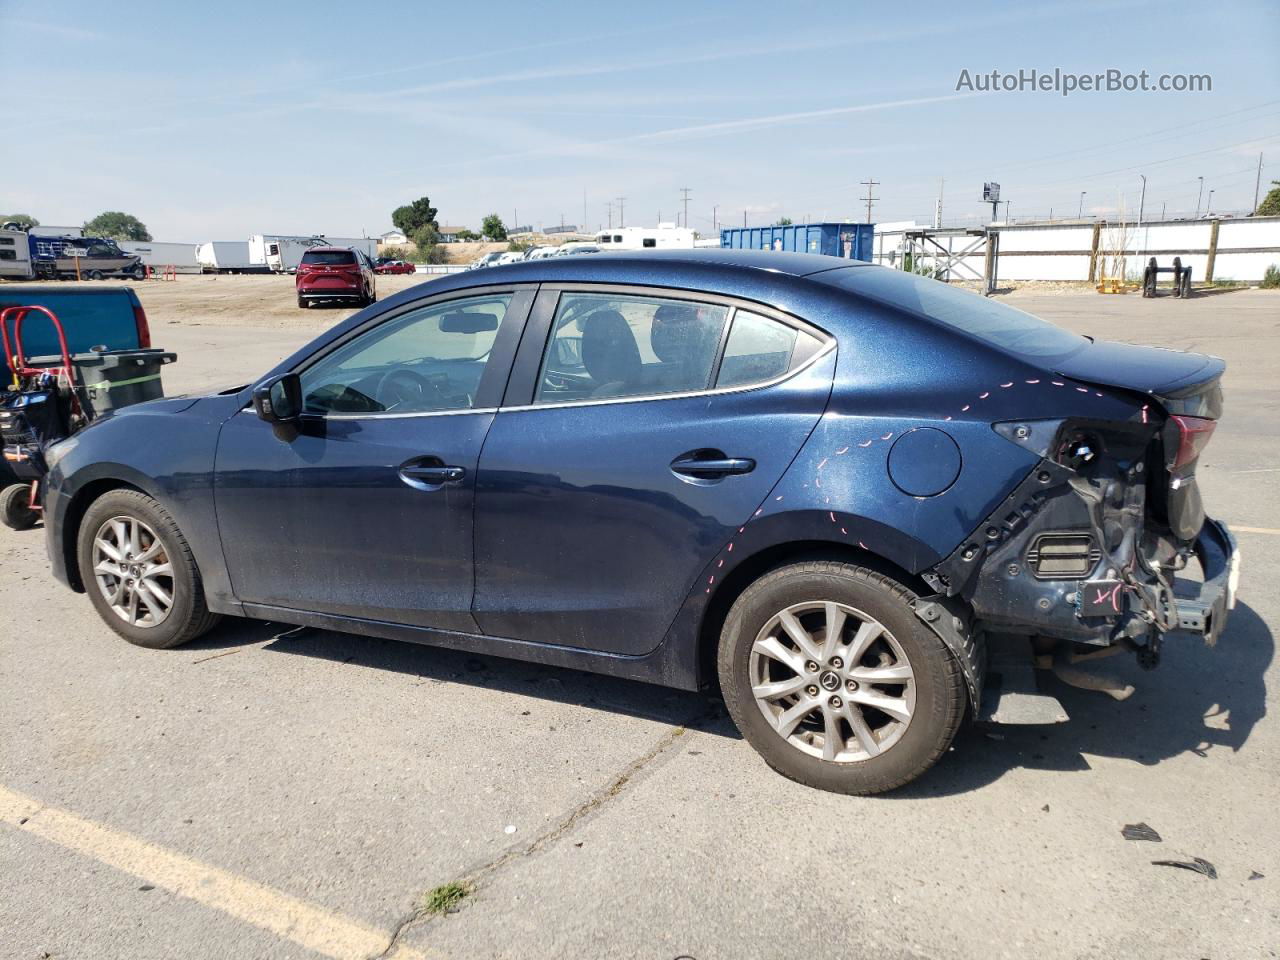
column 605, row 346
column 329, row 258
column 761, row 348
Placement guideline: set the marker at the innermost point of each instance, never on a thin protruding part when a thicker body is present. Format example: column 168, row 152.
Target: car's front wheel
column 139, row 571
column 833, row 679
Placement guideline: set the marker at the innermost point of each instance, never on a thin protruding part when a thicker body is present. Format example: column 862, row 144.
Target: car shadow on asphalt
column 440, row 665
column 1201, row 701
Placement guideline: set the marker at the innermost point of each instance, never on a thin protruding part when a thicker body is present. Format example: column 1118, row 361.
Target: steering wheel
column 400, row 385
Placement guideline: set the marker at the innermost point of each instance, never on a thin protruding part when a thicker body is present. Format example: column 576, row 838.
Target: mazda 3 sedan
column 824, row 487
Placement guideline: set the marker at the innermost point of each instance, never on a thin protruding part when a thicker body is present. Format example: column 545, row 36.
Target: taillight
column 144, row 330
column 1193, row 437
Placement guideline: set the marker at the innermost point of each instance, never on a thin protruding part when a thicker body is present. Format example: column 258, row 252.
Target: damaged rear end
column 1085, row 554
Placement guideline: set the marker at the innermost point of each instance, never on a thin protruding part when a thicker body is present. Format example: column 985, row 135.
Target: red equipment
column 17, row 360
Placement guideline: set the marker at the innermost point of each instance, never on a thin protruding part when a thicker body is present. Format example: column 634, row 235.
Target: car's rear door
column 640, row 429
column 367, row 511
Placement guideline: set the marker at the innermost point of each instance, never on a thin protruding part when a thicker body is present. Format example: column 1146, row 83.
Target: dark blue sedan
column 830, row 488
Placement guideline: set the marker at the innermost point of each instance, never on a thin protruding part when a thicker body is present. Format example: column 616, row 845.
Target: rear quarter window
column 998, row 324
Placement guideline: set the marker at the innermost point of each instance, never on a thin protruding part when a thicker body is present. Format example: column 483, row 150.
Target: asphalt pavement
column 262, row 794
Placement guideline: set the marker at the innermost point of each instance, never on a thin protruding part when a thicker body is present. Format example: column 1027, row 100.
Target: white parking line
column 1270, row 531
column 303, row 923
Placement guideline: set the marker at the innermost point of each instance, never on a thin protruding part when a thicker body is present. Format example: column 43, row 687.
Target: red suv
column 335, row 273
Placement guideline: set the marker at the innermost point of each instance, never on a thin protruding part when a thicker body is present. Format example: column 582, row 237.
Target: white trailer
column 15, row 255
column 282, row 254
column 160, row 255
column 226, row 256
column 665, row 236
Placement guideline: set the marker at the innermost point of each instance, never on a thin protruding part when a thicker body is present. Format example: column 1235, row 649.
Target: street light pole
column 1142, row 199
column 1208, row 207
column 1080, row 212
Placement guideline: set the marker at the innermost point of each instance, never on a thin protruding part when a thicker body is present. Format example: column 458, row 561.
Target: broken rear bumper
column 1206, row 611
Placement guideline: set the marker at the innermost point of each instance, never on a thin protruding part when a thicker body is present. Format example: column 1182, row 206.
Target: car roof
column 328, row 250
column 631, row 266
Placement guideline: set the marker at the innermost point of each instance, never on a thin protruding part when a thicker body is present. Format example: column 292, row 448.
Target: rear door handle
column 718, row 467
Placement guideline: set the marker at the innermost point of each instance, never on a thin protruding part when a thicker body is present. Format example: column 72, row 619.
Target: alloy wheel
column 832, row 681
column 133, row 571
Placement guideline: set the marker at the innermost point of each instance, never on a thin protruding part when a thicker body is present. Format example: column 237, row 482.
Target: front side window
column 605, row 346
column 424, row 361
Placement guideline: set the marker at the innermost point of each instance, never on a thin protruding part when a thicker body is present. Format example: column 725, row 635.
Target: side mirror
column 279, row 400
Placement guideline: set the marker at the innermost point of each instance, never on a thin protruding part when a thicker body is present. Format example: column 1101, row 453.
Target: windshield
column 996, row 323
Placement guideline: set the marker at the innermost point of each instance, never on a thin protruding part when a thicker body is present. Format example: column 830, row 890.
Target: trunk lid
column 1183, row 383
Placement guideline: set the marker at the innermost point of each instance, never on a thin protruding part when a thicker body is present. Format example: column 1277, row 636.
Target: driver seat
column 610, row 353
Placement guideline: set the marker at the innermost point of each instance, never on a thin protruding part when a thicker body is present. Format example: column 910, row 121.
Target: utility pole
column 1142, row 199
column 1198, row 196
column 622, row 209
column 1163, row 204
column 685, row 200
column 584, row 208
column 937, row 210
column 744, row 218
column 609, row 206
column 1257, row 183
column 714, row 208
column 870, row 185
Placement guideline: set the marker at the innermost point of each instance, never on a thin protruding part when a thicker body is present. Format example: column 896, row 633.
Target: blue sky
column 214, row 121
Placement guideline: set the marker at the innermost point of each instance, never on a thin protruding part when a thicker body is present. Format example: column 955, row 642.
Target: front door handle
column 711, row 467
column 430, row 473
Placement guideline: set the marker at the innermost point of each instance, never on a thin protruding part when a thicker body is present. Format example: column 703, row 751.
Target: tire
column 889, row 751
column 187, row 616
column 302, row 303
column 95, row 274
column 15, row 507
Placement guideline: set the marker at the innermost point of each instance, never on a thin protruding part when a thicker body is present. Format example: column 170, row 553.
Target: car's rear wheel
column 15, row 507
column 833, row 679
column 302, row 302
column 139, row 571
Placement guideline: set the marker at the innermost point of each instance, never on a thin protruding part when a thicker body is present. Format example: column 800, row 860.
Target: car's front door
column 641, row 429
column 367, row 511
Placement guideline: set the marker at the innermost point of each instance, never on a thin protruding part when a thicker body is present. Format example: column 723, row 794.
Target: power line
column 685, row 200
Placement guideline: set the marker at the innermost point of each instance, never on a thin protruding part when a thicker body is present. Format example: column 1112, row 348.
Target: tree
column 23, row 221
column 430, row 249
column 465, row 235
column 117, row 226
column 493, row 228
column 1270, row 205
column 412, row 217
column 783, row 222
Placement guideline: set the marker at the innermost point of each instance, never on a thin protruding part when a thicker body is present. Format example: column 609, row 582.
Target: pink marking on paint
column 777, row 498
column 729, row 548
column 742, row 529
column 713, row 579
column 1081, row 390
column 842, row 451
column 832, row 516
column 817, row 482
column 867, row 444
column 983, row 396
column 1096, row 394
column 1144, row 413
column 721, row 563
column 887, row 435
column 844, row 531
column 863, row 545
column 965, row 408
column 823, row 463
column 1006, row 386
column 1033, row 381
column 946, row 418
column 1057, row 383
column 708, row 589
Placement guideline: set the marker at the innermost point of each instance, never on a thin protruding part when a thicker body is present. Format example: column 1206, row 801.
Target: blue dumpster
column 853, row 241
